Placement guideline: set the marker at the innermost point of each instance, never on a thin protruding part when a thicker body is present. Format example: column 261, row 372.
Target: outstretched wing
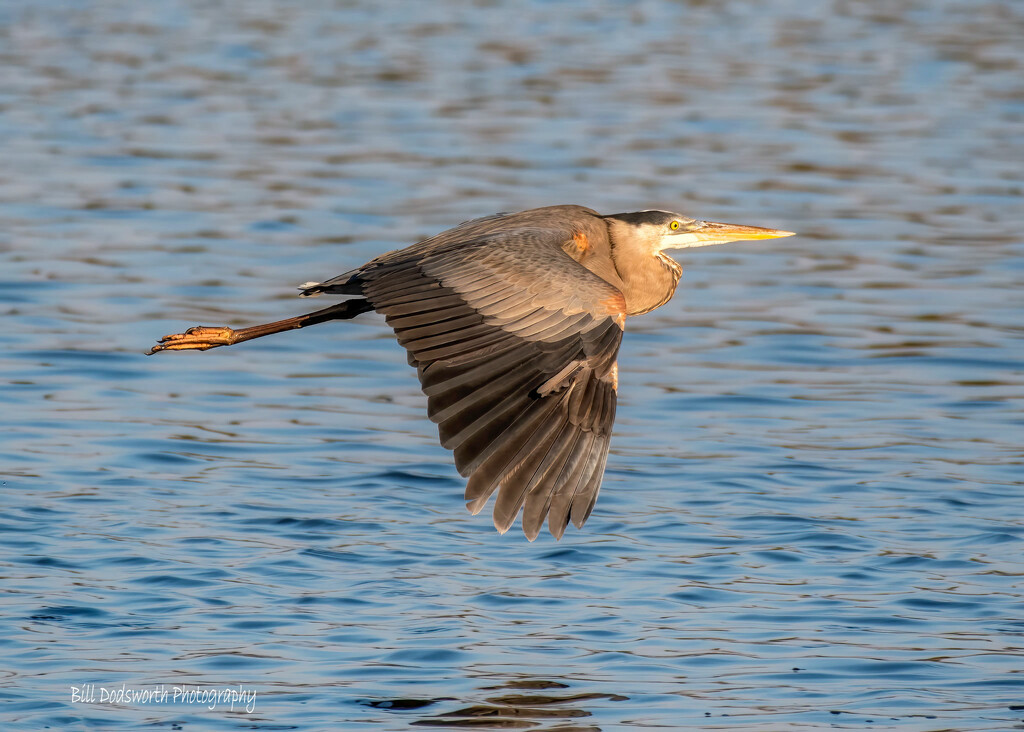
column 515, row 345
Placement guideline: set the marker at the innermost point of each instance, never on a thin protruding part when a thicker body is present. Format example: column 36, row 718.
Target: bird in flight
column 513, row 323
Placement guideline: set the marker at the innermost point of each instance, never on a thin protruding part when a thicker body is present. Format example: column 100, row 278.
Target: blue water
column 813, row 513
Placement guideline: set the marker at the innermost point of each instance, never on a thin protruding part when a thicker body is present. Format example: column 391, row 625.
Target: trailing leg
column 203, row 337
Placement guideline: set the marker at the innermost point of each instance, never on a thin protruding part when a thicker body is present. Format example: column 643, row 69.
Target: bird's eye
column 674, row 225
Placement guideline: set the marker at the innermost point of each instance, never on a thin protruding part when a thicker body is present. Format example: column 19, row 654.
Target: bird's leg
column 203, row 337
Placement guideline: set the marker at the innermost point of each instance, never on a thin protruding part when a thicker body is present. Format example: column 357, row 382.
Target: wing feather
column 515, row 346
column 583, row 502
column 449, row 326
column 463, row 350
column 539, row 480
column 573, row 473
column 524, row 448
column 477, row 420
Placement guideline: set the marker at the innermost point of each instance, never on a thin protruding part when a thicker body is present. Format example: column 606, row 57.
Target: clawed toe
column 197, row 338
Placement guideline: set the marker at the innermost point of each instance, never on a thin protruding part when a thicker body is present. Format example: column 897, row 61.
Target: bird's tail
column 350, row 283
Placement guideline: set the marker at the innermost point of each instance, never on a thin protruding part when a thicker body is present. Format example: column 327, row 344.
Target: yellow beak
column 713, row 232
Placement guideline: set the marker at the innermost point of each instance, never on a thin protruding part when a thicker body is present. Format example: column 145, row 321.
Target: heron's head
column 660, row 230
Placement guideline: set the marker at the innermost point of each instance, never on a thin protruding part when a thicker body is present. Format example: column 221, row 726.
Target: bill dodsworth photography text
column 211, row 697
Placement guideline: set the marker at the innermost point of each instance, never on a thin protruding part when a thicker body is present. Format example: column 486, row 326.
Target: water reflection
column 523, row 703
column 811, row 515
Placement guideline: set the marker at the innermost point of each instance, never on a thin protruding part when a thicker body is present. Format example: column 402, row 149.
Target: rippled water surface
column 813, row 512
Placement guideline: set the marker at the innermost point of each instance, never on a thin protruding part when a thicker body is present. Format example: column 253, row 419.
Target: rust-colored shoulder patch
column 580, row 241
column 616, row 307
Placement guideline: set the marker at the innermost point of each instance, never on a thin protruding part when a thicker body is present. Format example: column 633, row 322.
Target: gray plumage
column 513, row 323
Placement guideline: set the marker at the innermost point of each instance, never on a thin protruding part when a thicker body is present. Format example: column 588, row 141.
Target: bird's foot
column 199, row 338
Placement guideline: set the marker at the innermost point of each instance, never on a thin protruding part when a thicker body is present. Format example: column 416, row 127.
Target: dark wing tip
column 515, row 348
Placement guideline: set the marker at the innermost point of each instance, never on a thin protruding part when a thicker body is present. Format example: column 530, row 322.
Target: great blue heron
column 513, row 322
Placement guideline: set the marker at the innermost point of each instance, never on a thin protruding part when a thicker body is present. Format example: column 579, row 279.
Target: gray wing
column 515, row 345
